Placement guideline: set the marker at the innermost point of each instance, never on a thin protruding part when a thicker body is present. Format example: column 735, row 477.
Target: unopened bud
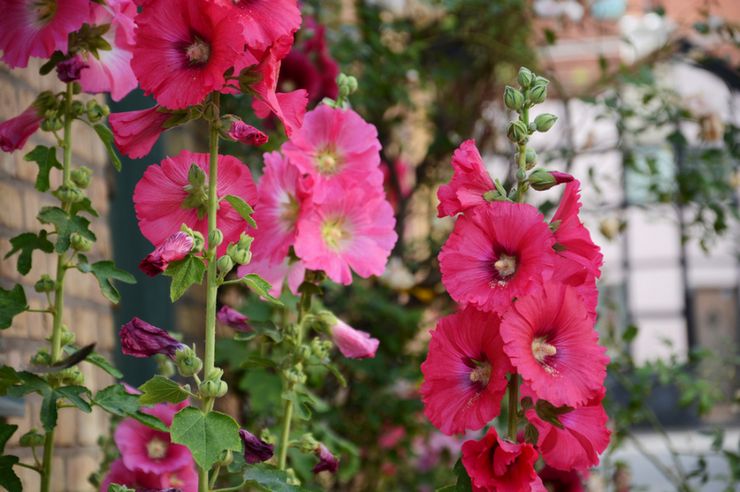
column 538, row 94
column 542, row 180
column 545, row 121
column 44, row 284
column 196, row 176
column 69, row 194
column 525, row 77
column 68, row 337
column 81, row 176
column 513, row 99
column 31, row 439
column 80, row 243
column 530, row 157
column 213, row 388
column 517, row 132
column 225, row 264
column 188, row 364
column 41, row 358
column 215, row 238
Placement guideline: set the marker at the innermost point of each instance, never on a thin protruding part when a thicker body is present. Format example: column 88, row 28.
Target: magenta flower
column 16, row 131
column 184, row 479
column 163, row 201
column 140, row 339
column 136, row 132
column 232, row 318
column 255, row 449
column 469, row 183
column 576, row 275
column 262, row 21
column 246, row 134
column 354, row 344
column 327, row 461
column 38, row 28
column 148, row 450
column 69, row 70
column 174, row 248
column 348, row 232
column 336, row 147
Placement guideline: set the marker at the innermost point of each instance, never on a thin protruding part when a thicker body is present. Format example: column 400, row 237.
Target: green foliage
column 260, row 286
column 100, row 361
column 8, row 478
column 206, row 435
column 12, row 303
column 185, row 273
column 46, row 158
column 26, row 243
column 244, row 209
column 115, row 400
column 268, row 478
column 65, row 225
column 106, row 136
column 160, row 389
column 106, row 272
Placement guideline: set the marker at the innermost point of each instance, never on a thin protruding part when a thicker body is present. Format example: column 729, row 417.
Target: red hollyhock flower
column 550, row 339
column 496, row 465
column 140, row 339
column 233, row 318
column 576, row 275
column 464, row 372
column 174, row 248
column 469, row 182
column 183, row 49
column 583, row 437
column 184, row 479
column 562, row 481
column 263, row 21
column 495, row 254
column 246, row 134
column 15, row 132
column 572, row 239
column 136, row 132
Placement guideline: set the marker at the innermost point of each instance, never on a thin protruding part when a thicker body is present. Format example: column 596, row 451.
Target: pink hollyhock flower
column 232, row 318
column 174, row 248
column 263, row 21
column 184, row 479
column 16, row 131
column 136, row 132
column 349, row 231
column 469, row 183
column 354, row 344
column 111, row 70
column 572, row 239
column 183, row 50
column 160, row 198
column 497, row 465
column 336, row 147
column 562, row 481
column 148, row 450
column 391, row 437
column 255, row 449
column 284, row 195
column 464, row 372
column 583, row 436
column 550, row 339
column 38, row 28
column 277, row 274
column 576, row 275
column 140, row 339
column 289, row 107
column 496, row 253
column 327, row 461
column 69, row 70
column 247, row 134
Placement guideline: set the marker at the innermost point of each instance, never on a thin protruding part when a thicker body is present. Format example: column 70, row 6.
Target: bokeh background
column 647, row 97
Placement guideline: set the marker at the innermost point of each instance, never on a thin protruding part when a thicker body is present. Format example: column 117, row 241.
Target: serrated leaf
column 65, row 226
column 268, row 478
column 8, row 378
column 28, row 383
column 26, row 243
column 206, row 435
column 12, row 303
column 115, row 400
column 260, row 286
column 46, row 158
column 49, row 411
column 8, row 478
column 159, row 389
column 73, row 394
column 185, row 273
column 106, row 272
column 6, row 431
column 243, row 208
column 106, row 136
column 84, row 205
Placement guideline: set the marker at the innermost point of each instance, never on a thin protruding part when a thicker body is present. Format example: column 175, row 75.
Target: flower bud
column 241, row 256
column 353, row 344
column 187, row 362
column 81, row 176
column 307, row 443
column 530, row 157
column 174, row 248
column 78, row 108
column 31, row 439
column 69, row 194
column 44, row 284
column 327, row 461
column 525, row 77
column 215, row 238
column 225, row 264
column 68, row 337
column 542, row 180
column 233, row 318
column 513, row 98
column 295, row 375
column 80, row 243
column 517, row 132
column 255, row 449
column 94, row 111
column 213, row 388
column 538, row 94
column 198, row 240
column 246, row 134
column 69, row 70
column 545, row 121
column 245, row 241
column 41, row 358
column 320, row 348
column 196, row 176
column 215, row 374
column 140, row 339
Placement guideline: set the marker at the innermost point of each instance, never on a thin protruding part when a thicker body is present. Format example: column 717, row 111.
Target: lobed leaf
column 46, row 158
column 26, row 243
column 185, row 273
column 159, row 389
column 207, row 436
column 12, row 303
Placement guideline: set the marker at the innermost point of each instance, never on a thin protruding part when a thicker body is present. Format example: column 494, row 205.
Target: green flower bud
column 215, row 374
column 225, row 264
column 307, row 443
column 81, row 176
column 295, row 374
column 44, row 284
column 196, row 176
column 542, row 180
column 68, row 337
column 538, row 92
column 77, row 108
column 31, row 439
column 71, row 376
column 76, row 88
column 530, row 158
column 517, row 132
column 94, row 111
column 69, row 194
column 513, row 99
column 213, row 388
column 80, row 243
column 352, row 84
column 525, row 77
column 188, row 363
column 245, row 241
column 545, row 121
column 215, row 238
column 41, row 358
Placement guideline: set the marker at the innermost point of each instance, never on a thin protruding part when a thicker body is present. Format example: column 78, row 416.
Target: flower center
column 334, row 233
column 156, row 449
column 44, row 10
column 327, row 161
column 290, row 211
column 541, row 351
column 505, row 265
column 481, row 374
column 198, row 52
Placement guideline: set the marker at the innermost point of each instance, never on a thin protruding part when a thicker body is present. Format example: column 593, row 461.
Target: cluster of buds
column 213, row 386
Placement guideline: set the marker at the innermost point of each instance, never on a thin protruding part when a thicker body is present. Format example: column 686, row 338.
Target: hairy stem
column 522, row 161
column 513, row 406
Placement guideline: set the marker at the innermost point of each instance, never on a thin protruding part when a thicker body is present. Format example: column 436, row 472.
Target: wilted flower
column 255, row 449
column 140, row 339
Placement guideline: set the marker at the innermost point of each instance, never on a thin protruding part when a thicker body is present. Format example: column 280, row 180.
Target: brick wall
column 87, row 313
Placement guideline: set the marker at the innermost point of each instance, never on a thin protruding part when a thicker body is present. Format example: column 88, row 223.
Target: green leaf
column 12, row 302
column 65, row 226
column 6, row 431
column 73, row 394
column 115, row 400
column 49, row 411
column 260, row 286
column 114, row 487
column 46, row 158
column 8, row 478
column 106, row 272
column 463, row 479
column 106, row 136
column 98, row 360
column 159, row 389
column 26, row 243
column 84, row 205
column 268, row 478
column 206, row 435
column 28, row 383
column 244, row 209
column 266, row 328
column 304, row 403
column 550, row 413
column 8, row 378
column 257, row 361
column 185, row 273
column 629, row 334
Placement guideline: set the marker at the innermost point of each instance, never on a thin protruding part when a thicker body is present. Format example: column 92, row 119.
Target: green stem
column 513, row 406
column 209, row 357
column 522, row 162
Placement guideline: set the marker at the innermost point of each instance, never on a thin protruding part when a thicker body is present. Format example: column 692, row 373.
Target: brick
column 66, row 432
column 89, row 427
column 31, row 207
column 9, row 106
column 27, row 171
column 79, row 467
column 106, row 331
column 19, row 328
column 11, row 205
column 85, row 326
column 29, row 478
column 58, row 470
